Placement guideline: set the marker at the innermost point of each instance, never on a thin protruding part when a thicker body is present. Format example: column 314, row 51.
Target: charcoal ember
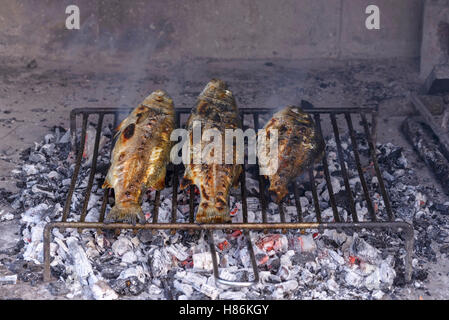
column 273, row 265
column 48, row 149
column 27, row 271
column 441, row 208
column 391, row 156
column 388, row 177
column 420, row 275
column 266, row 277
column 37, row 157
column 59, row 271
column 210, row 291
column 49, row 138
column 342, row 200
column 299, row 259
column 203, row 260
column 381, row 277
column 102, row 291
column 354, row 279
column 423, row 247
column 111, row 271
column 30, row 169
column 233, row 295
column 444, row 249
column 399, row 281
column 304, row 243
column 43, row 190
column 129, row 257
column 183, row 287
column 273, row 243
column 121, row 246
column 126, row 287
column 158, row 241
column 228, row 274
column 336, row 257
column 160, row 262
column 361, row 249
column 81, row 265
column 261, row 258
column 179, row 251
column 58, row 288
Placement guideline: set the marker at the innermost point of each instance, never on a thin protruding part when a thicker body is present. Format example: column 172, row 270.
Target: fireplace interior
column 368, row 221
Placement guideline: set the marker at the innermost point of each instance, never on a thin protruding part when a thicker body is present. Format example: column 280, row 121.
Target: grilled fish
column 215, row 109
column 140, row 156
column 300, row 145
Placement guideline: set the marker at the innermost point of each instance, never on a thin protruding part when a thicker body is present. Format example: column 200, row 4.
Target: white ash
column 295, row 265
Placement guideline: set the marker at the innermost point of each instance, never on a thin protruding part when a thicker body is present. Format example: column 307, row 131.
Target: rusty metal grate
column 332, row 115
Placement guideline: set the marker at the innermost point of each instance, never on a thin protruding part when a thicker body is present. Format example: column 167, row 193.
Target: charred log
column 428, row 148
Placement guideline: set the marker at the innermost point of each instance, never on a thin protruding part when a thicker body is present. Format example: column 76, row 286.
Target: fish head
column 298, row 114
column 161, row 99
column 214, row 88
column 217, row 90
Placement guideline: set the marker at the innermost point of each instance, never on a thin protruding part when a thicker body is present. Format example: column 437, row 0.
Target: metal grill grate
column 332, row 115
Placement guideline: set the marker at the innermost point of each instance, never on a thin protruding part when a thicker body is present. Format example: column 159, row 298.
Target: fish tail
column 279, row 192
column 209, row 213
column 106, row 184
column 127, row 212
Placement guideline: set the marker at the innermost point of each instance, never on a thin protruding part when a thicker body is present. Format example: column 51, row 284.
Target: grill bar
column 246, row 226
column 157, row 201
column 175, row 196
column 343, row 169
column 327, row 176
column 376, row 168
column 297, row 202
column 76, row 170
column 93, row 168
column 315, row 196
column 359, row 167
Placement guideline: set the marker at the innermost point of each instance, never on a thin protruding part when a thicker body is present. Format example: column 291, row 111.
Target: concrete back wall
column 172, row 29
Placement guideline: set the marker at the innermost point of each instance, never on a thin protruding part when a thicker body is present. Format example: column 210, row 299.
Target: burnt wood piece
column 430, row 120
column 428, row 148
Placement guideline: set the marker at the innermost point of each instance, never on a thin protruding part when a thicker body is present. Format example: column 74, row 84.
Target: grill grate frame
column 255, row 113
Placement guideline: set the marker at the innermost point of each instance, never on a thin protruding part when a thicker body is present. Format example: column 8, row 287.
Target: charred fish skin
column 300, row 145
column 140, row 156
column 215, row 109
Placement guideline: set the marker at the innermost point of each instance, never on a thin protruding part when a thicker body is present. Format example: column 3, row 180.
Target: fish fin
column 208, row 213
column 106, row 184
column 127, row 213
